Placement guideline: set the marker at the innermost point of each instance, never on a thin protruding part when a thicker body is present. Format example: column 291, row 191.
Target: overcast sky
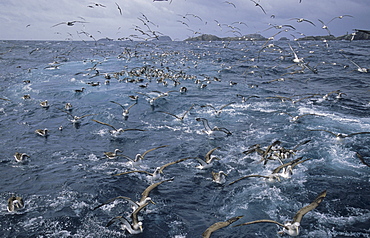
column 33, row 19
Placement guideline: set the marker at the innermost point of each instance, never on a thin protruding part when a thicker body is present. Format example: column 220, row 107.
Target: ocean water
column 67, row 175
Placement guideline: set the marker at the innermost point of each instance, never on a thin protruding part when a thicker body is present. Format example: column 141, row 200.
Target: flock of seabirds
column 143, row 76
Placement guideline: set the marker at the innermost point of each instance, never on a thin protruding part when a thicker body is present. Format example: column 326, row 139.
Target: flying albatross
column 218, row 111
column 144, row 196
column 181, row 118
column 140, row 157
column 208, row 130
column 207, row 162
column 340, row 135
column 284, row 170
column 157, row 172
column 218, row 225
column 115, row 131
column 125, row 111
column 76, row 119
column 136, row 226
column 292, row 228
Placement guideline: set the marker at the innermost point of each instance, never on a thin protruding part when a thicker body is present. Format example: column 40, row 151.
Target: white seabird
column 207, row 162
column 292, row 227
column 15, row 203
column 19, row 157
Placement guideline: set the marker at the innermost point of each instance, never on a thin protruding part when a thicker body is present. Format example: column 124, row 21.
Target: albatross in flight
column 115, row 131
column 207, row 162
column 136, row 226
column 292, row 227
column 219, row 225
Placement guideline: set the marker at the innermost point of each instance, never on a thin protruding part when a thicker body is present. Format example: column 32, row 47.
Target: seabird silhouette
column 69, row 23
column 119, row 8
column 292, row 228
column 258, row 5
column 230, row 3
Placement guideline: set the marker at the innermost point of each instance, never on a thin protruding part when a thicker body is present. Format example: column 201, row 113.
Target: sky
column 179, row 19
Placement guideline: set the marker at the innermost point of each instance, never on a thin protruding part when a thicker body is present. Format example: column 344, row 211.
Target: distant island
column 162, row 38
column 356, row 35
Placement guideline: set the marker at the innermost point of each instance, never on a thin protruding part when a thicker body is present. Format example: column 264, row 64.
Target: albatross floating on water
column 15, row 203
column 19, row 157
column 219, row 177
column 42, row 132
column 292, row 228
column 112, row 155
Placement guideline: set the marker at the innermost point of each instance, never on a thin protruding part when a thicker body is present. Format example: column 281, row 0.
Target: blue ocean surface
column 250, row 94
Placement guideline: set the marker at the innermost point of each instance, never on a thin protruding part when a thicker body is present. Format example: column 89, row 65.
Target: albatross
column 144, row 196
column 15, row 203
column 180, row 118
column 218, row 225
column 115, row 131
column 157, row 172
column 208, row 130
column 136, row 226
column 140, row 157
column 341, row 135
column 207, row 162
column 284, row 171
column 19, row 157
column 292, row 227
column 125, row 111
column 112, row 155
